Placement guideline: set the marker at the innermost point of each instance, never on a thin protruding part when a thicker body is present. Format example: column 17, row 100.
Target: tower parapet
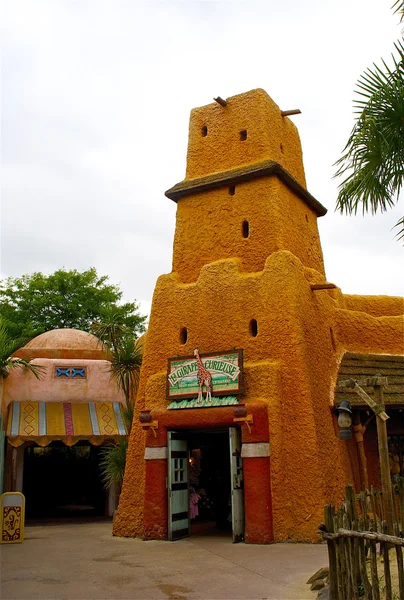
column 244, row 195
column 248, row 130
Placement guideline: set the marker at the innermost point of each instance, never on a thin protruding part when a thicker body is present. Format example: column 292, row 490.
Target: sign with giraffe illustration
column 204, row 376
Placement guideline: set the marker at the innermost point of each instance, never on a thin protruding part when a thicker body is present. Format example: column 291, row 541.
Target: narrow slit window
column 204, row 131
column 232, row 190
column 183, row 335
column 253, row 328
column 245, row 229
column 243, row 135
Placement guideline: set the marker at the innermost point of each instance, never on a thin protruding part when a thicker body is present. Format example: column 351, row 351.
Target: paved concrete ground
column 84, row 561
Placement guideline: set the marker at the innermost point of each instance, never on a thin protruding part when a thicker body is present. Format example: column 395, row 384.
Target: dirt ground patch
column 85, row 562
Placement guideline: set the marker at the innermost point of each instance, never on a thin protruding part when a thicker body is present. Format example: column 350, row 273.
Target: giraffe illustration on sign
column 204, row 379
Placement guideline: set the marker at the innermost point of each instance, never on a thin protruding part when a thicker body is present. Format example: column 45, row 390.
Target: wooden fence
column 353, row 534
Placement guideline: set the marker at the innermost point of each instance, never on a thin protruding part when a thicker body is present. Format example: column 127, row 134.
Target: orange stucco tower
column 246, row 257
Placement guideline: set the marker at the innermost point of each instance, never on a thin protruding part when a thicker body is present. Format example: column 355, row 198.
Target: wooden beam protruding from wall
column 220, row 101
column 323, row 286
column 288, row 113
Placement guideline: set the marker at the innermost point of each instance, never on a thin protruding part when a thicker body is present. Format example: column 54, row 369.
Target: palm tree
column 113, row 459
column 126, row 360
column 125, row 363
column 8, row 362
column 373, row 158
column 111, row 328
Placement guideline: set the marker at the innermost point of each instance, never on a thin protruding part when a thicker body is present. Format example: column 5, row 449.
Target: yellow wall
column 209, row 227
column 269, row 136
column 220, row 281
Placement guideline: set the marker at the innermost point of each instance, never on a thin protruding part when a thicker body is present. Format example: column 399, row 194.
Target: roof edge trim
column 266, row 168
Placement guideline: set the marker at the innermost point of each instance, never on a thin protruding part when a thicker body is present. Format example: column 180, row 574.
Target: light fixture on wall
column 241, row 416
column 344, row 420
column 147, row 423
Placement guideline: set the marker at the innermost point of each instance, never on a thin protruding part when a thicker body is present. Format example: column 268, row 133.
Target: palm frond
column 372, row 161
column 398, row 7
column 125, row 363
column 128, row 410
column 400, row 232
column 112, row 464
column 8, row 346
column 110, row 329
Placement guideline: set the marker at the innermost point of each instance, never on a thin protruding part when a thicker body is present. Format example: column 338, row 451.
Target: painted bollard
column 12, row 516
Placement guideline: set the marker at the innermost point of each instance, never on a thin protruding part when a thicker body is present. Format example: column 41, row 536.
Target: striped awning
column 69, row 422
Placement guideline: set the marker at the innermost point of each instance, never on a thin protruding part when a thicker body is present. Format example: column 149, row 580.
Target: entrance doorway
column 63, row 481
column 205, row 483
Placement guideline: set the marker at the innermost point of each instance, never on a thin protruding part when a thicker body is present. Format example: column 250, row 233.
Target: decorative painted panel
column 71, row 372
column 219, row 373
column 44, row 422
column 12, row 517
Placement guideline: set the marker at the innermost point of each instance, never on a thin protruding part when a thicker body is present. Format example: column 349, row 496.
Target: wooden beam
column 359, row 430
column 384, row 462
column 373, row 405
column 365, row 535
column 220, row 101
column 323, row 286
column 288, row 113
column 367, row 382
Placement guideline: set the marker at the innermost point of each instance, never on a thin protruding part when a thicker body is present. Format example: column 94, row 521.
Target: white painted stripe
column 257, row 450
column 155, row 453
column 42, row 418
column 15, row 421
column 118, row 417
column 93, row 417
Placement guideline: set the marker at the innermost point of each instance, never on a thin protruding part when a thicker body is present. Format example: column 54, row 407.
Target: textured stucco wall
column 221, row 281
column 291, row 365
column 377, row 306
column 21, row 386
column 274, row 215
column 269, row 136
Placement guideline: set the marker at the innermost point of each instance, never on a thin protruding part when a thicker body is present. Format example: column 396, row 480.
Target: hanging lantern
column 344, row 420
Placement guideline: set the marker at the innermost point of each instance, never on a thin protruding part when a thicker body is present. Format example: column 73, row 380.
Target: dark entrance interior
column 210, row 493
column 63, row 481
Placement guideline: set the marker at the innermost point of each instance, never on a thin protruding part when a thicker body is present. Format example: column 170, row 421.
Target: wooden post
column 400, row 569
column 359, row 430
column 329, row 513
column 373, row 571
column 384, row 462
column 13, row 469
column 386, row 564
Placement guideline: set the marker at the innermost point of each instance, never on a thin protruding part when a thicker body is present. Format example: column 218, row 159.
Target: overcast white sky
column 96, row 98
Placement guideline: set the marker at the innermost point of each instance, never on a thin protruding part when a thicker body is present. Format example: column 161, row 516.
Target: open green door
column 237, row 485
column 178, row 487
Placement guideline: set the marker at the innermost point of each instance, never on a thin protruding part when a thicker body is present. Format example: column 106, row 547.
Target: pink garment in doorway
column 193, row 501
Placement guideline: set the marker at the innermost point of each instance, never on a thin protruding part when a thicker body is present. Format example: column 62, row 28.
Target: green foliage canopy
column 35, row 303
